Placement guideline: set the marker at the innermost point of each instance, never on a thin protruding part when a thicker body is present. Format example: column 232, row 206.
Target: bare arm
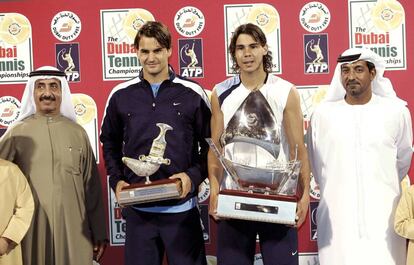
column 293, row 124
column 215, row 171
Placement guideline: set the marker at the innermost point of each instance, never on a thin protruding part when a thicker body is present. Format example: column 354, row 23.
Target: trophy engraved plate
column 259, row 184
column 145, row 166
column 260, row 208
column 155, row 191
column 239, row 205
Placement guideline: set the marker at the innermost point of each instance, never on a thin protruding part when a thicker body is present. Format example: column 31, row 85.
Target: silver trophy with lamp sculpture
column 145, row 166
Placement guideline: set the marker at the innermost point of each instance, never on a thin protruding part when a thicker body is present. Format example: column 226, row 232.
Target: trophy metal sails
column 145, row 166
column 259, row 185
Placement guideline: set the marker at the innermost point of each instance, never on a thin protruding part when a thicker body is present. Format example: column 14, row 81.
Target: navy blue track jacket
column 129, row 127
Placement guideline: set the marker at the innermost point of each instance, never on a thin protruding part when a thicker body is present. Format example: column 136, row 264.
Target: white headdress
column 46, row 72
column 381, row 86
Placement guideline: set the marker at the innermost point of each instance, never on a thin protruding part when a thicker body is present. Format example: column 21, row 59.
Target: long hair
column 154, row 29
column 257, row 34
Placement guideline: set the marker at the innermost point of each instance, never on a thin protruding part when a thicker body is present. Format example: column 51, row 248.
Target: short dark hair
column 154, row 29
column 257, row 34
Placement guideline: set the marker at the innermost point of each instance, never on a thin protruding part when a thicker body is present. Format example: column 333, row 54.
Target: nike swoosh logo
column 176, row 104
column 294, row 253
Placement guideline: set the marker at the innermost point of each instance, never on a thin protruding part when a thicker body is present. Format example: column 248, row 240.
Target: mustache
column 350, row 83
column 47, row 97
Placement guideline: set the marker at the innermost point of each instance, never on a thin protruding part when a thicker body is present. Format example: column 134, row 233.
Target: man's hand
column 121, row 184
column 212, row 208
column 6, row 245
column 185, row 183
column 302, row 209
column 99, row 249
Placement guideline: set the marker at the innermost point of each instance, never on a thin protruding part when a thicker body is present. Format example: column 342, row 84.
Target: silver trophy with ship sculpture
column 145, row 166
column 259, row 183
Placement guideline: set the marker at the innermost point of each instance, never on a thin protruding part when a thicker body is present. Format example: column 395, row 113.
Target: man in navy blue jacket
column 158, row 95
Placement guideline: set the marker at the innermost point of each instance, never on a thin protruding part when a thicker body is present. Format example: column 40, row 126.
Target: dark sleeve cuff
column 196, row 177
column 113, row 180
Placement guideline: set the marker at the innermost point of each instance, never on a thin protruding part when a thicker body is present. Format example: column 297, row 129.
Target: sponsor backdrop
column 92, row 42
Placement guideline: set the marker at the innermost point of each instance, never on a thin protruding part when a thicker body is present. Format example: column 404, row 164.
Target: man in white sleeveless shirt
column 253, row 62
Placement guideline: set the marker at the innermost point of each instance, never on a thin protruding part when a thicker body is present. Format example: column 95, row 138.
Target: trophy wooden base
column 156, row 191
column 257, row 207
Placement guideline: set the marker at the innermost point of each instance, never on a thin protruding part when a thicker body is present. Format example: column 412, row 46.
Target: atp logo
column 205, row 222
column 191, row 57
column 316, row 53
column 67, row 60
column 313, row 225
